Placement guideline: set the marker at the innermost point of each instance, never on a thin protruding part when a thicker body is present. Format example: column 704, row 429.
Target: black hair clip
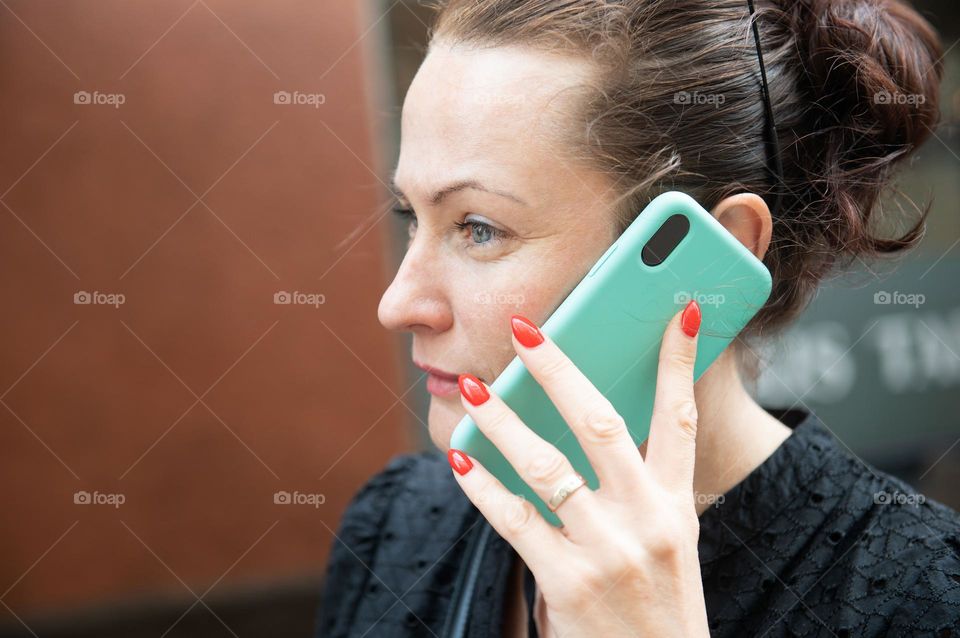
column 774, row 164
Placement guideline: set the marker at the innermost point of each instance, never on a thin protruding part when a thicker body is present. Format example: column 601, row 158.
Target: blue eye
column 480, row 233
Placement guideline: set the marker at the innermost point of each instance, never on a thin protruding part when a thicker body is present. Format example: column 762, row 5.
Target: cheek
column 485, row 326
column 484, row 319
column 482, row 310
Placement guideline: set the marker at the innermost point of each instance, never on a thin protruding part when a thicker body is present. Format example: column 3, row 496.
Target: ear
column 747, row 218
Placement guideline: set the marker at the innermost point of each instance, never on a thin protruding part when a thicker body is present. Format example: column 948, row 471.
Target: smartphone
column 612, row 323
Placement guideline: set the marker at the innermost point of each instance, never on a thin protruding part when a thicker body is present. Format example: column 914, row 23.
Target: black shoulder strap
column 458, row 612
column 529, row 592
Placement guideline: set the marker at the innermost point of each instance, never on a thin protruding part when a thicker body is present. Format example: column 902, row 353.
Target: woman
column 532, row 134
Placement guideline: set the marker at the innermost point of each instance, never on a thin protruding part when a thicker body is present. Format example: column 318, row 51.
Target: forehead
column 497, row 110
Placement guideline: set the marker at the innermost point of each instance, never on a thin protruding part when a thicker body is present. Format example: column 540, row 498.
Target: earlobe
column 747, row 217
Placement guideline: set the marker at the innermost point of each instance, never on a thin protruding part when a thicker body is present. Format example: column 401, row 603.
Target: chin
column 443, row 416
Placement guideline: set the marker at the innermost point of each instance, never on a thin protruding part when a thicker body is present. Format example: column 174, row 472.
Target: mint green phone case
column 611, row 326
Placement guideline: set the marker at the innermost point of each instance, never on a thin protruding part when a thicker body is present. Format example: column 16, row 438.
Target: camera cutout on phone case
column 665, row 240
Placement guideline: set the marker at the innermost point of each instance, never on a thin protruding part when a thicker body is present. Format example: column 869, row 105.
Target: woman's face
column 477, row 150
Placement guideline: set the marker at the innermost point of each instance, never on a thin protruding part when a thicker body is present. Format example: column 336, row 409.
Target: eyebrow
column 453, row 187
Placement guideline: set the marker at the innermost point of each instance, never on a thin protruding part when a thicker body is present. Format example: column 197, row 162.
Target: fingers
column 516, row 519
column 541, row 465
column 601, row 431
column 671, row 447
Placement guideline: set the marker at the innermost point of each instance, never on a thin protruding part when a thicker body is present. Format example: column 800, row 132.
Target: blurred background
column 195, row 237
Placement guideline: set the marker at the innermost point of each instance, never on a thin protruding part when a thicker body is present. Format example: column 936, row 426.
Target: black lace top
column 812, row 543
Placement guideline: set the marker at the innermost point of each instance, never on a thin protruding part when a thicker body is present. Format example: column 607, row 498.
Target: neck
column 734, row 434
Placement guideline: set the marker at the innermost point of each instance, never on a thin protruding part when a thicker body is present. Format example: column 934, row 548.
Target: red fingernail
column 525, row 331
column 472, row 388
column 690, row 320
column 459, row 461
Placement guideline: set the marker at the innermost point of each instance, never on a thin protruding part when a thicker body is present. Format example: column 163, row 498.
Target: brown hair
column 676, row 105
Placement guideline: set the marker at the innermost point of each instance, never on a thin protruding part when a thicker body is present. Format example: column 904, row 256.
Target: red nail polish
column 525, row 331
column 690, row 320
column 472, row 388
column 459, row 461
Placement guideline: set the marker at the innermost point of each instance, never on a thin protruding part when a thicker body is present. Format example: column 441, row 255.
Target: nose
column 416, row 299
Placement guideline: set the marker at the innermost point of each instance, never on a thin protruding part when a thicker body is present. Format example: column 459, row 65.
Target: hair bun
column 875, row 64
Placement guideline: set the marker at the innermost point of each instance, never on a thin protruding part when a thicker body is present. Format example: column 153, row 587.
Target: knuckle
column 497, row 422
column 554, row 369
column 603, row 424
column 685, row 414
column 519, row 516
column 664, row 547
column 627, row 556
column 630, row 566
column 546, row 466
column 581, row 591
column 673, row 536
column 683, row 359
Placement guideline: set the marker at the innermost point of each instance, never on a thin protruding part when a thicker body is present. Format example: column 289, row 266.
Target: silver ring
column 568, row 486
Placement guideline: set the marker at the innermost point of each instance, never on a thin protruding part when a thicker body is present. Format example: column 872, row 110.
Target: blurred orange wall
column 150, row 166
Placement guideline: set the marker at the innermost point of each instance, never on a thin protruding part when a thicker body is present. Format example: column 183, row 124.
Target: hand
column 625, row 561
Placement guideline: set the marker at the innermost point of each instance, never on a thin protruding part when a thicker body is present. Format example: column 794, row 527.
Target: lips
column 440, row 382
